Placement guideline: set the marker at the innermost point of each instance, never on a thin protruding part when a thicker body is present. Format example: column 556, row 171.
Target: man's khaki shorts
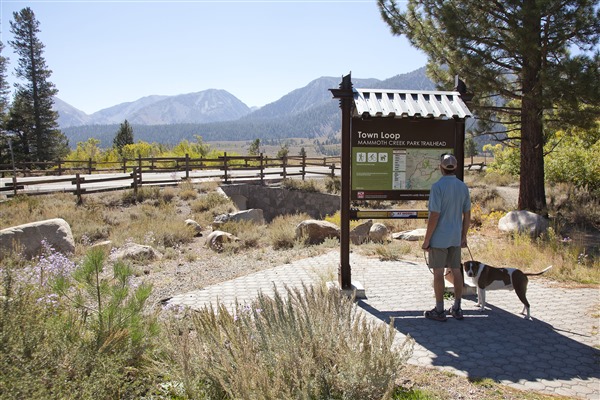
column 442, row 258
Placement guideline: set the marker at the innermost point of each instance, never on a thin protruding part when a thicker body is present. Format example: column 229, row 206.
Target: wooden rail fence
column 79, row 176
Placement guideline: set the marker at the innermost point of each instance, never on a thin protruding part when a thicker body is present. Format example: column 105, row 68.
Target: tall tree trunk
column 532, row 193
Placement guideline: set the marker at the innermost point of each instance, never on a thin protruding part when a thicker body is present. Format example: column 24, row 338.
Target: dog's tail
column 539, row 273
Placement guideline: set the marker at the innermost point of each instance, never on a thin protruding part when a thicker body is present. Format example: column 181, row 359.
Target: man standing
column 447, row 226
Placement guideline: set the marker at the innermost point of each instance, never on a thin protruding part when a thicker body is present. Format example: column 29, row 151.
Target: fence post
column 262, row 169
column 140, row 162
column 187, row 166
column 14, row 180
column 303, row 165
column 283, row 164
column 90, row 166
column 225, row 166
column 78, row 189
column 332, row 170
column 124, row 165
column 134, row 174
column 59, row 168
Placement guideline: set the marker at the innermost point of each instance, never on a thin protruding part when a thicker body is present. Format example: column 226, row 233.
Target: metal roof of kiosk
column 409, row 103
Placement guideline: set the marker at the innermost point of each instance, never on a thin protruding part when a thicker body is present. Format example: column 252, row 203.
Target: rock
column 412, row 236
column 105, row 245
column 378, row 232
column 254, row 215
column 523, row 222
column 27, row 239
column 315, row 231
column 217, row 239
column 360, row 234
column 137, row 252
column 194, row 225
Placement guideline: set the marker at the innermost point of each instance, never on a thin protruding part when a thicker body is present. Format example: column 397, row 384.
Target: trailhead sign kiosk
column 392, row 142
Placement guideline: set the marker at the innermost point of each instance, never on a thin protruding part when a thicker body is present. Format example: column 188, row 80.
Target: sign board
column 398, row 159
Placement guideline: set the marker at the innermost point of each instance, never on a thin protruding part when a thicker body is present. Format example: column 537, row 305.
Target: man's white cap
column 449, row 162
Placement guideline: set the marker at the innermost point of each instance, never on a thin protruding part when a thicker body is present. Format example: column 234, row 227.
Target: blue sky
column 104, row 52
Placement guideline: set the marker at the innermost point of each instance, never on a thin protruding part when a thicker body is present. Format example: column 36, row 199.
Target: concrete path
column 557, row 352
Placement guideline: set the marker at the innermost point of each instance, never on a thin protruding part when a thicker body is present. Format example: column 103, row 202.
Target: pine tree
column 34, row 97
column 515, row 58
column 254, row 149
column 470, row 148
column 4, row 92
column 123, row 137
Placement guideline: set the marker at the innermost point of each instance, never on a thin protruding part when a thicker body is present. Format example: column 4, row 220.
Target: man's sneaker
column 436, row 315
column 456, row 313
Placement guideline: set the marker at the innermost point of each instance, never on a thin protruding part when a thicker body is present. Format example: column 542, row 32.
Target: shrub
column 209, row 201
column 187, row 191
column 143, row 193
column 71, row 331
column 282, row 230
column 249, row 233
column 308, row 185
column 333, row 185
column 167, row 195
column 313, row 344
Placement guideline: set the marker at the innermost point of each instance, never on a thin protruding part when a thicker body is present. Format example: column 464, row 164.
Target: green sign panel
column 396, row 159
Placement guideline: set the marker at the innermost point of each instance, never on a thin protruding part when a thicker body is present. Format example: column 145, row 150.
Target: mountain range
column 214, row 114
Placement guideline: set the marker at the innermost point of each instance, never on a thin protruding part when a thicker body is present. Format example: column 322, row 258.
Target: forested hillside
column 308, row 112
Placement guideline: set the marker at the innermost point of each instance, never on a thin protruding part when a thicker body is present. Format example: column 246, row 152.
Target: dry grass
column 312, row 343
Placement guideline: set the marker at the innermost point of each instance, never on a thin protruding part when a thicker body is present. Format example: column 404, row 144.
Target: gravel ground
column 179, row 275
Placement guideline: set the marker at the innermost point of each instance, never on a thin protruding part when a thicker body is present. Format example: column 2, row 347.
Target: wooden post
column 124, row 165
column 346, row 96
column 59, row 168
column 284, row 163
column 135, row 183
column 303, row 166
column 14, row 182
column 225, row 167
column 78, row 189
column 140, row 162
column 90, row 166
column 187, row 166
column 262, row 170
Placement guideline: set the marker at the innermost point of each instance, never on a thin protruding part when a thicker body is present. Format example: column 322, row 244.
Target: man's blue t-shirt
column 449, row 196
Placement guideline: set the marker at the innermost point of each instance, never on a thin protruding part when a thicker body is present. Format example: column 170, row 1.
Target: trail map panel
column 396, row 159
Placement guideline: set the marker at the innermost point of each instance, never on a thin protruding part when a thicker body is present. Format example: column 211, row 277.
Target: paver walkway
column 557, row 352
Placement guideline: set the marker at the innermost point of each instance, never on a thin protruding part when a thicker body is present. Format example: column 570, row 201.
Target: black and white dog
column 486, row 277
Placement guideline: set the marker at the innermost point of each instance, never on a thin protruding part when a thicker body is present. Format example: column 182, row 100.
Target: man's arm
column 432, row 222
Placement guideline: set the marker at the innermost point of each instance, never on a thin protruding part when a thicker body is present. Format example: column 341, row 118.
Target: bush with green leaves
column 575, row 160
column 72, row 331
column 507, row 159
column 314, row 344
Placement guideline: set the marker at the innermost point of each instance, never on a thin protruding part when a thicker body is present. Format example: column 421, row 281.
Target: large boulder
column 411, row 236
column 217, row 239
column 523, row 222
column 195, row 226
column 254, row 215
column 378, row 233
column 360, row 234
column 315, row 231
column 135, row 252
column 27, row 239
